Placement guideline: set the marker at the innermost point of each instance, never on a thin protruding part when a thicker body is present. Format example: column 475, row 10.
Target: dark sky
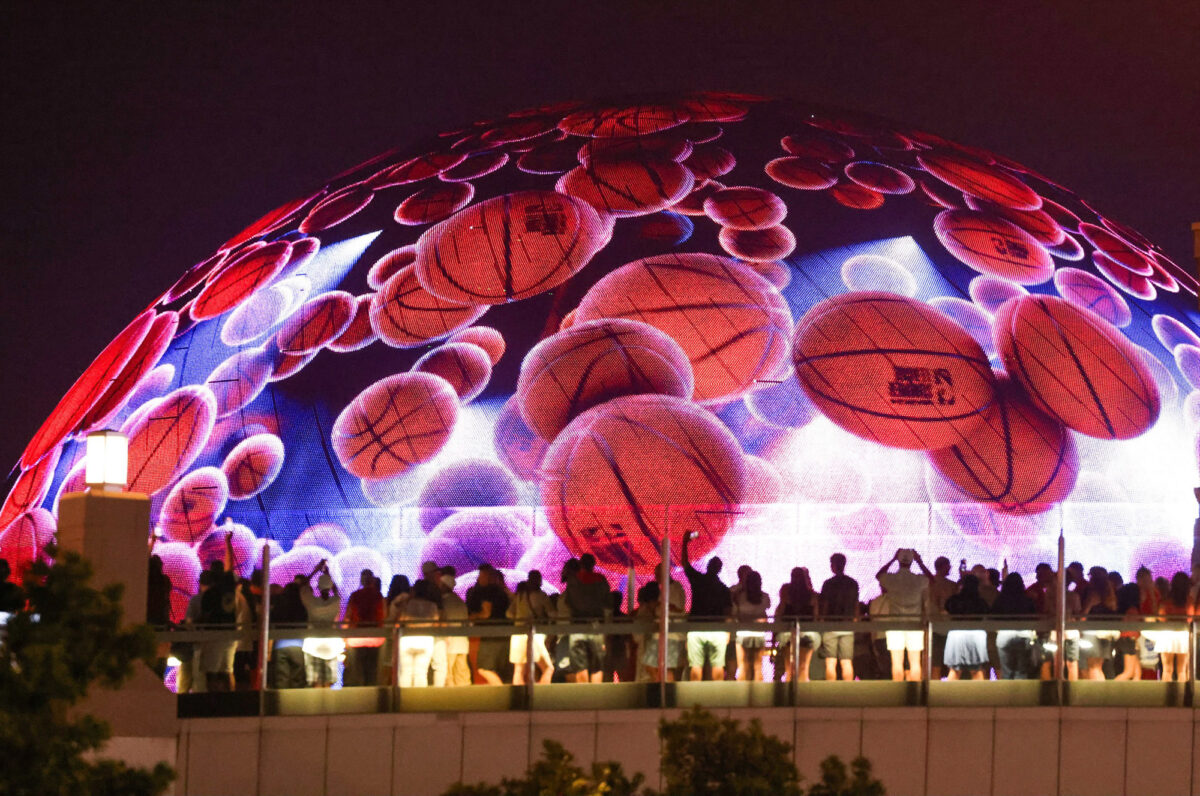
column 137, row 137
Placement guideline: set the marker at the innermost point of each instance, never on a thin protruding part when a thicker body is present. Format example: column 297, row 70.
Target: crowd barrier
column 872, row 687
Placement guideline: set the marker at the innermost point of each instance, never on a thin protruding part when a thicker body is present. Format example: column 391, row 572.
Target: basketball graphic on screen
column 165, row 440
column 253, row 465
column 624, row 318
column 406, row 315
column 593, row 362
column 1018, row 459
column 193, row 505
column 745, row 208
column 358, row 333
column 991, row 245
column 508, row 248
column 395, row 423
column 980, row 180
column 466, row 366
column 600, row 499
column 1077, row 367
column 891, row 369
column 732, row 324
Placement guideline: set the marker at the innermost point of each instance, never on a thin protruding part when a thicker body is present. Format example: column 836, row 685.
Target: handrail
column 628, row 626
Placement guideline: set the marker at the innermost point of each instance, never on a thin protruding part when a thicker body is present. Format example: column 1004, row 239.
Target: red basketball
column 878, row 177
column 1018, row 458
column 892, row 369
column 30, row 488
column 807, row 174
column 509, row 248
column 144, row 358
column 1077, row 367
column 240, row 278
column 466, row 366
column 23, row 542
column 810, row 145
column 1117, row 249
column 663, row 146
column 239, row 380
column 552, row 158
column 87, row 389
column 415, row 169
column 406, row 315
column 434, row 203
column 1065, row 218
column 758, row 245
column 1135, row 285
column 193, row 505
column 253, row 465
column 1092, row 293
column 856, row 197
column 733, row 324
column 743, row 207
column 693, row 203
column 628, row 187
column 359, row 333
column 593, row 362
column 317, row 322
column 619, row 121
column 168, row 437
column 991, row 245
column 709, row 160
column 389, row 265
column 942, row 195
column 601, row 497
column 979, row 179
column 485, row 337
column 1038, row 223
column 395, row 423
column 475, row 166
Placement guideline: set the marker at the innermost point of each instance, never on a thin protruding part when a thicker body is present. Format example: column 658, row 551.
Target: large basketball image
column 596, row 326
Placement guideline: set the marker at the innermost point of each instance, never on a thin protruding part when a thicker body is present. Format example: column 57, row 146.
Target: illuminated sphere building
column 785, row 327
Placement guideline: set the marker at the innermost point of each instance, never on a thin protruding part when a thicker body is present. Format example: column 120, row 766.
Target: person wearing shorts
column 906, row 591
column 839, row 600
column 710, row 601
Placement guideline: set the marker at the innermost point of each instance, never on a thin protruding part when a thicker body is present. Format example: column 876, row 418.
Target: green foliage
column 556, row 774
column 703, row 754
column 68, row 638
column 836, row 782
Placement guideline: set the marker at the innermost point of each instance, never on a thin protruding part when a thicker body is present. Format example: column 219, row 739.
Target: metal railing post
column 264, row 630
column 927, row 660
column 795, row 657
column 530, row 668
column 664, row 622
column 396, row 656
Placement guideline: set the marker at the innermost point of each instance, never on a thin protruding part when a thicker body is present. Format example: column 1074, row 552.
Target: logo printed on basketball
column 991, row 245
column 892, row 369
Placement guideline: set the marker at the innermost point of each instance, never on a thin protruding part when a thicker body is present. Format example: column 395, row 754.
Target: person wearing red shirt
column 365, row 608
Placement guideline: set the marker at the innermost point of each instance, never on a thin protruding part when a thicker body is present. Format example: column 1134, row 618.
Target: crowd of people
column 908, row 590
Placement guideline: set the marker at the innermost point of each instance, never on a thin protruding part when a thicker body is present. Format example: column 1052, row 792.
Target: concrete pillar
column 111, row 530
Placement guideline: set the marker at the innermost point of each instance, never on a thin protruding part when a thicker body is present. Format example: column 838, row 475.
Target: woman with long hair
column 797, row 600
column 751, row 605
column 1172, row 645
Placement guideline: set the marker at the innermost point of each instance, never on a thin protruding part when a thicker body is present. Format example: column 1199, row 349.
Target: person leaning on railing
column 1015, row 646
column 839, row 600
column 710, row 601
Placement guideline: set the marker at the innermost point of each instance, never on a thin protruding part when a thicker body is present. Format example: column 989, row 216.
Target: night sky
column 136, row 138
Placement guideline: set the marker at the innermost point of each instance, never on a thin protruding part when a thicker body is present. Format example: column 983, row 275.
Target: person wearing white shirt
column 906, row 592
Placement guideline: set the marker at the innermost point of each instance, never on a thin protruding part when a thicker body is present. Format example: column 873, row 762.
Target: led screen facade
column 787, row 328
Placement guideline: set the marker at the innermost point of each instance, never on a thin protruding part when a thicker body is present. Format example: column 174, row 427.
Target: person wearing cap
column 906, row 591
column 323, row 609
column 456, row 670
